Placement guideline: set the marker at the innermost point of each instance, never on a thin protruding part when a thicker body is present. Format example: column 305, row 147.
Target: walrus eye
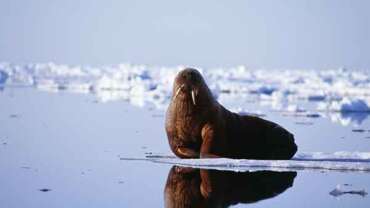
column 193, row 76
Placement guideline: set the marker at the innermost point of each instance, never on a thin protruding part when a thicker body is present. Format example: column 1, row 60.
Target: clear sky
column 259, row 33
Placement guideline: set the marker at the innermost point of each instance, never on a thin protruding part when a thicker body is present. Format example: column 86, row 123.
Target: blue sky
column 272, row 34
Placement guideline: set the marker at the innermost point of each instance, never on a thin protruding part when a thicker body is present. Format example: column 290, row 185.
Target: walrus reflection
column 189, row 187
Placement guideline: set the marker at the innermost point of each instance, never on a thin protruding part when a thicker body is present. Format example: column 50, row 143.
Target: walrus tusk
column 178, row 91
column 193, row 97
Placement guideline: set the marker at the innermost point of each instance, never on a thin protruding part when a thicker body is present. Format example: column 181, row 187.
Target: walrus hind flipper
column 281, row 143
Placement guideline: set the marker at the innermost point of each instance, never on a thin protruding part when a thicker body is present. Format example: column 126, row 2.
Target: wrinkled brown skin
column 208, row 130
column 188, row 187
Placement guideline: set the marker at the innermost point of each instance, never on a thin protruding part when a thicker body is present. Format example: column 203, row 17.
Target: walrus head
column 190, row 87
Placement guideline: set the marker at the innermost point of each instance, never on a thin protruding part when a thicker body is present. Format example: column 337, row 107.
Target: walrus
column 190, row 187
column 197, row 126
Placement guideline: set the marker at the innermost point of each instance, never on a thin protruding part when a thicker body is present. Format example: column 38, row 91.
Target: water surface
column 71, row 145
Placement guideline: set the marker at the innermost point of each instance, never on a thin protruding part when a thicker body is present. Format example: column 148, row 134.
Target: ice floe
column 334, row 90
column 338, row 161
column 314, row 161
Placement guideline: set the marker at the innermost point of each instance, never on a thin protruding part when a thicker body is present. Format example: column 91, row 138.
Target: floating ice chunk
column 3, row 77
column 216, row 90
column 109, row 83
column 345, row 105
column 312, row 115
column 243, row 112
column 322, row 106
column 47, row 85
column 264, row 90
column 282, row 94
column 341, row 189
column 295, row 108
column 111, row 95
column 355, row 105
column 336, row 117
column 317, row 97
column 76, row 87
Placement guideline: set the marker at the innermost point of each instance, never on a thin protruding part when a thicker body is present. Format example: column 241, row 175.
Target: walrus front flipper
column 184, row 152
column 281, row 143
column 211, row 145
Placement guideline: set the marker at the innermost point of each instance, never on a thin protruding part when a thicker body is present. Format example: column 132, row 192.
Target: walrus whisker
column 178, row 91
column 193, row 97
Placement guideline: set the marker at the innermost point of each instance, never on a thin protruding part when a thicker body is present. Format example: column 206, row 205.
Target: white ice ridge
column 341, row 156
column 337, row 89
column 338, row 161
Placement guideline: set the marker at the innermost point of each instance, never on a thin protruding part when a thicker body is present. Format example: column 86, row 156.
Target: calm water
column 64, row 150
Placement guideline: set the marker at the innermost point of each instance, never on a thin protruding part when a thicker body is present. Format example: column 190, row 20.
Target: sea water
column 71, row 137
